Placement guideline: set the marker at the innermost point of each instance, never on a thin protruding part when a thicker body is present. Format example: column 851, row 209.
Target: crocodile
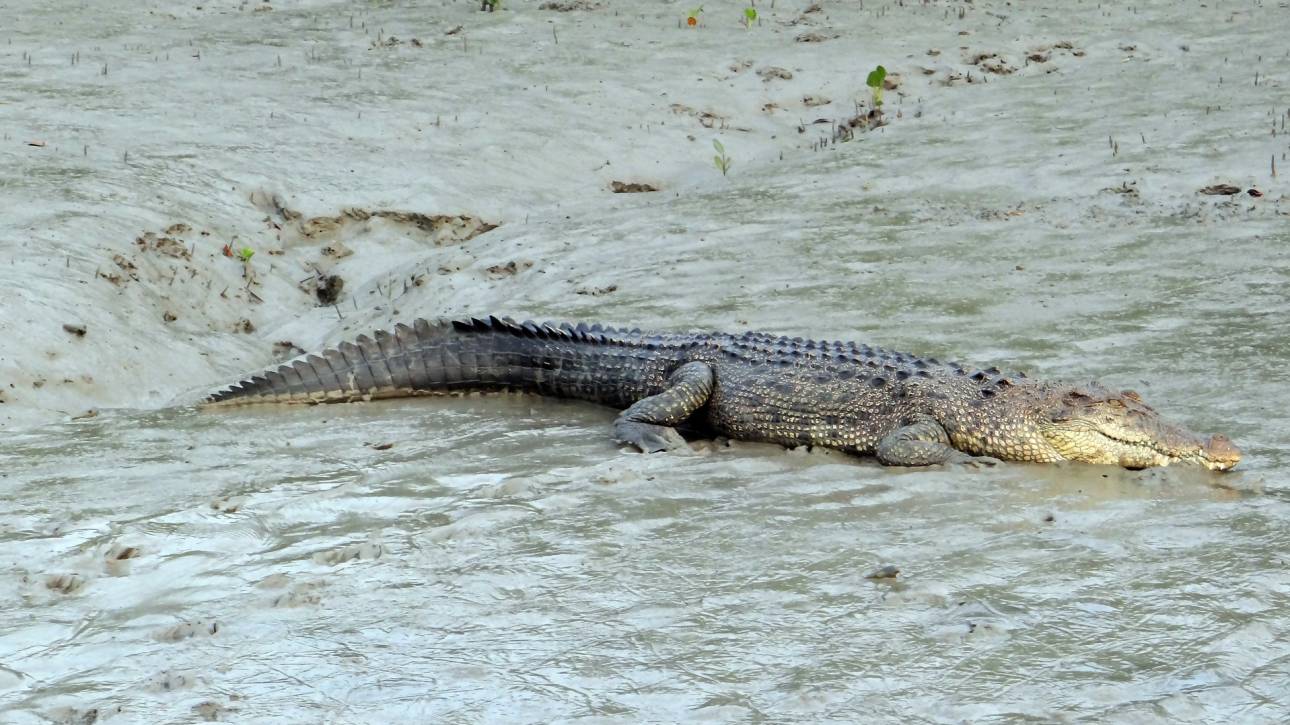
column 903, row 409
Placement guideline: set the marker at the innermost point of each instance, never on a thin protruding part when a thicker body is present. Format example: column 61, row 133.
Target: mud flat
column 196, row 192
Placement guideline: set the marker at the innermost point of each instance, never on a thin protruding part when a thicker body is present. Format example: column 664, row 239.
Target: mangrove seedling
column 244, row 254
column 750, row 16
column 722, row 161
column 489, row 5
column 692, row 18
column 874, row 81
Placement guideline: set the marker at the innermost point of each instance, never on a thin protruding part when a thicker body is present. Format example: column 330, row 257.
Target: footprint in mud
column 228, row 505
column 212, row 711
column 78, row 716
column 65, row 583
column 170, row 681
column 300, row 595
column 308, row 594
column 972, row 621
column 510, row 269
column 368, row 550
column 631, row 187
column 117, row 560
column 968, row 631
column 188, row 630
column 771, row 72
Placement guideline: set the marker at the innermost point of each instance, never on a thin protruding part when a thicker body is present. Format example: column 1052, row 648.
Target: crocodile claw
column 967, row 459
column 650, row 438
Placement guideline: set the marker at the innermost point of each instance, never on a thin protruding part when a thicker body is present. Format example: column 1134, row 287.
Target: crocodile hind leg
column 648, row 423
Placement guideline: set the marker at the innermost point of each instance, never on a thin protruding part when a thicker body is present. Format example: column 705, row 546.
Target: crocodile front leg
column 924, row 443
column 648, row 423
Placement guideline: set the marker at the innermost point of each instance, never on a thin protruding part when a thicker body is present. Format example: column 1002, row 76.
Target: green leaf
column 876, row 77
column 717, row 145
column 751, row 14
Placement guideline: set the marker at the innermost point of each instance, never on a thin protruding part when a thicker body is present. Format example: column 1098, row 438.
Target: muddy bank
column 194, row 193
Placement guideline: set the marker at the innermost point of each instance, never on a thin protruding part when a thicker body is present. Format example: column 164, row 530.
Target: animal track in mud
column 771, row 72
column 596, row 291
column 211, row 711
column 284, row 350
column 76, row 716
column 307, row 594
column 65, row 583
column 633, row 187
column 814, row 37
column 1040, row 57
column 707, row 119
column 298, row 595
column 170, row 681
column 188, row 630
column 116, row 562
column 365, row 551
column 510, row 269
column 229, row 505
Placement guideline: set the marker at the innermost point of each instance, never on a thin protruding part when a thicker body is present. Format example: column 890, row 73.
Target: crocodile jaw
column 1159, row 444
column 1091, row 424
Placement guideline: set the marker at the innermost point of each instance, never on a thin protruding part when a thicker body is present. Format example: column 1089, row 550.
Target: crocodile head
column 1091, row 424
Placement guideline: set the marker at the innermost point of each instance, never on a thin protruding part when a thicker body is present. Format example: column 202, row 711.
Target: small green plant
column 489, row 5
column 722, row 161
column 874, row 81
column 244, row 254
column 750, row 16
column 692, row 18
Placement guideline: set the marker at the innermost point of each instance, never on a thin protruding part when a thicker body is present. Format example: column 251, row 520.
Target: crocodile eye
column 1075, row 397
column 1131, row 395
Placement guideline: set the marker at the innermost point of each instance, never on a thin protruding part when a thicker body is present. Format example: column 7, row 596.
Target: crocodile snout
column 1221, row 454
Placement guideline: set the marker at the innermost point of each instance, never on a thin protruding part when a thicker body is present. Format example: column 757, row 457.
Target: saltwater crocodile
column 903, row 409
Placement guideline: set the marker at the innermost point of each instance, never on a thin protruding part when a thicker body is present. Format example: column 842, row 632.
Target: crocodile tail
column 427, row 358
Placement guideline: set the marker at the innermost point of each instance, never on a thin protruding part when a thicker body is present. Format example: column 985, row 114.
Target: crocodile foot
column 648, row 437
column 967, row 459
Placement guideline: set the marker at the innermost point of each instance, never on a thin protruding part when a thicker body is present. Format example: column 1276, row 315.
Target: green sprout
column 490, row 5
column 750, row 16
column 245, row 254
column 874, row 81
column 722, row 161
